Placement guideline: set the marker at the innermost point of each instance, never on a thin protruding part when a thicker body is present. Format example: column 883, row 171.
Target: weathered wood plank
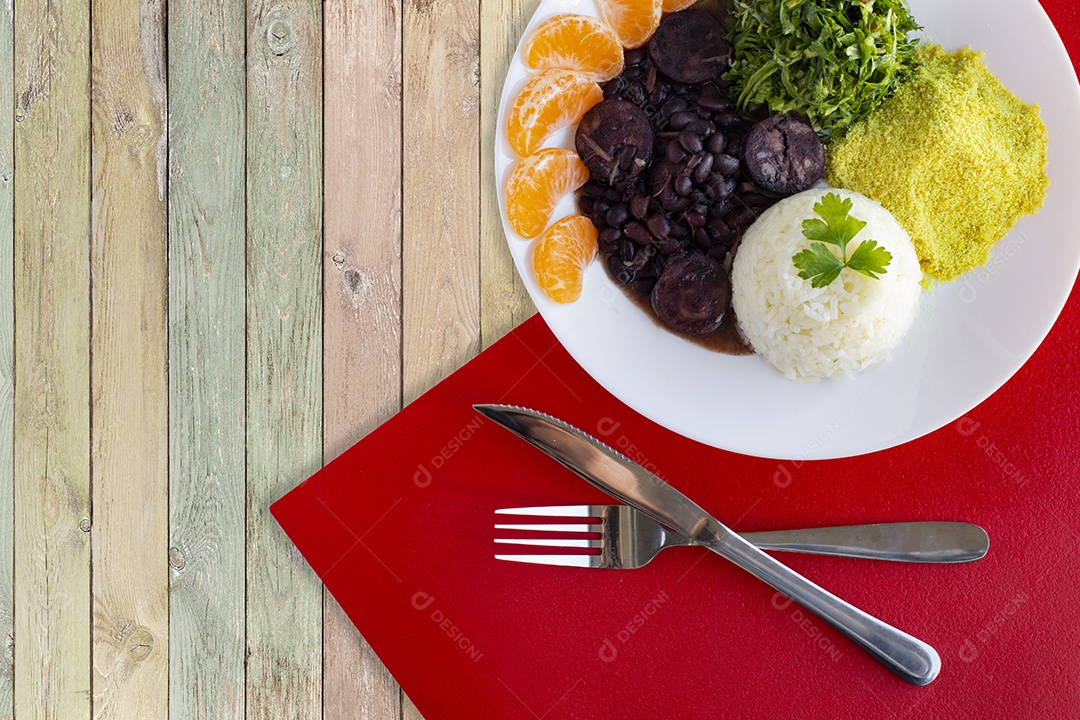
column 129, row 388
column 7, row 362
column 362, row 290
column 284, row 348
column 504, row 302
column 206, row 359
column 440, row 194
column 52, row 360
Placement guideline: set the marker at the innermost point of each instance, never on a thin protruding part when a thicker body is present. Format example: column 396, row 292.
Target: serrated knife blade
column 620, row 477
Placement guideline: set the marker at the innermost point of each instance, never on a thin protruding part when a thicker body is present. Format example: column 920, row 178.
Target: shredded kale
column 832, row 60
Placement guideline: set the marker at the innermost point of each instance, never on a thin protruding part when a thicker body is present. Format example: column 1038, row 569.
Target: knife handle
column 908, row 657
column 927, row 542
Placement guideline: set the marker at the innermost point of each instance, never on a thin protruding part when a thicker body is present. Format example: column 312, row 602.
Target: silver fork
column 630, row 539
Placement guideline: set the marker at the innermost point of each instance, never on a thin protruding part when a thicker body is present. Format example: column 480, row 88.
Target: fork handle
column 908, row 657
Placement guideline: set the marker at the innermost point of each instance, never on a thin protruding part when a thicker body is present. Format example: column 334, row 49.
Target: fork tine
column 585, row 561
column 553, row 511
column 557, row 542
column 550, row 528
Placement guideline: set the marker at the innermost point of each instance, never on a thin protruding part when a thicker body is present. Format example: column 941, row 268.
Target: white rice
column 847, row 326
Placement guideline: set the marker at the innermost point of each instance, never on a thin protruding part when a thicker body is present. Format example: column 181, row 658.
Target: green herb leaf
column 837, row 227
column 833, row 61
column 818, row 265
column 870, row 259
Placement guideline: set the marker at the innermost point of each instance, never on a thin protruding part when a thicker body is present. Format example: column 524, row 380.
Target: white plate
column 971, row 334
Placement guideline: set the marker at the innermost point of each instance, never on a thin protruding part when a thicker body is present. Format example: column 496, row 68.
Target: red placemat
column 400, row 529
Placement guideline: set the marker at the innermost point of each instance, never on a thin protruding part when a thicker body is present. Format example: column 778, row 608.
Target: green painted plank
column 7, row 362
column 52, row 360
column 284, row 349
column 206, row 359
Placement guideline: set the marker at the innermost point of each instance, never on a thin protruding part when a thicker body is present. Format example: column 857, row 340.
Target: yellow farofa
column 953, row 155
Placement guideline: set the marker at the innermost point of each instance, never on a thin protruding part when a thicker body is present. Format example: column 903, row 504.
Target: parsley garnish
column 837, row 227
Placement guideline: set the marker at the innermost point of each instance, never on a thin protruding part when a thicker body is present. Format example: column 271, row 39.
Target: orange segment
column 550, row 101
column 670, row 6
column 561, row 256
column 574, row 42
column 536, row 185
column 632, row 20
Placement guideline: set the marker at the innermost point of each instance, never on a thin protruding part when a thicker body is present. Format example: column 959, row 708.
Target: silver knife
column 908, row 657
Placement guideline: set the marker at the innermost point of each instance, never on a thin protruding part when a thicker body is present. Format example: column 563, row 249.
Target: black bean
column 627, row 248
column 643, row 286
column 701, row 170
column 638, row 232
column 620, row 272
column 715, row 145
column 717, row 253
column 635, row 56
column 672, row 106
column 696, row 218
column 601, row 207
column 740, row 218
column 683, row 185
column 639, row 206
column 608, row 240
column 728, row 118
column 681, row 119
column 679, row 231
column 585, row 204
column 658, row 225
column 701, row 128
column 617, row 215
column 717, row 103
column 690, row 141
column 719, row 229
column 667, row 246
column 642, row 258
column 674, row 152
column 727, row 165
column 702, row 241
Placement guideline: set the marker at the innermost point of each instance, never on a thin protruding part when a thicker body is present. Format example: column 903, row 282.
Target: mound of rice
column 847, row 326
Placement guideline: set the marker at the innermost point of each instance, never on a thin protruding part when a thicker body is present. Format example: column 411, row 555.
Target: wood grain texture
column 504, row 301
column 284, row 349
column 52, row 360
column 440, row 190
column 206, row 358
column 362, row 290
column 129, row 434
column 7, row 363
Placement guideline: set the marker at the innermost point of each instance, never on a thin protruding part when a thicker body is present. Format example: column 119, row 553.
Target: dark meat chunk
column 689, row 47
column 692, row 294
column 783, row 154
column 615, row 141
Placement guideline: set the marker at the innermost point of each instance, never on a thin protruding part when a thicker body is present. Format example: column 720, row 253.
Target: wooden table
column 235, row 238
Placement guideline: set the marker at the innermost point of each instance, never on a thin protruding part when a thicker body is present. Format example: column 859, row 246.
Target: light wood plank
column 504, row 302
column 206, row 358
column 129, row 435
column 362, row 290
column 52, row 360
column 284, row 341
column 440, row 194
column 7, row 362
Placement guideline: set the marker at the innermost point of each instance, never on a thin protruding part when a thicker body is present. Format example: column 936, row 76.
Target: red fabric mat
column 400, row 530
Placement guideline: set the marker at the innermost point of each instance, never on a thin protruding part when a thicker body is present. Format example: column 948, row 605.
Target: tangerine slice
column 550, row 101
column 670, row 6
column 561, row 256
column 634, row 21
column 575, row 42
column 536, row 185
